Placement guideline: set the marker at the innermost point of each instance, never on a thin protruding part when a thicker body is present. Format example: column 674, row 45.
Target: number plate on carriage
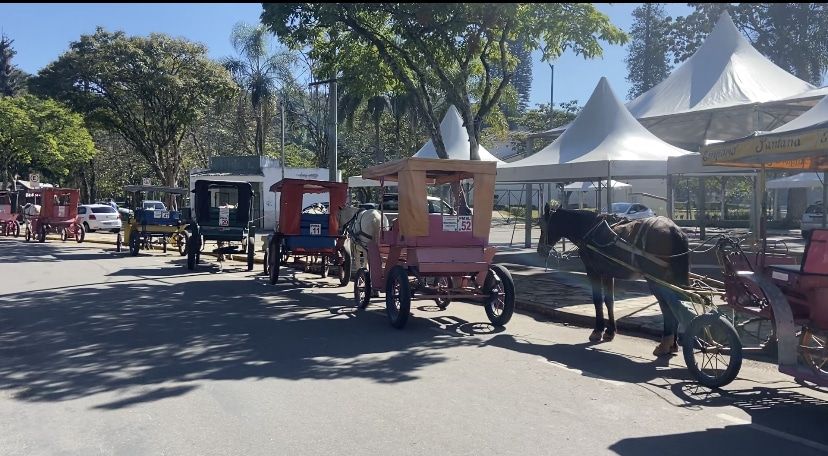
column 464, row 223
column 224, row 216
column 61, row 211
column 315, row 229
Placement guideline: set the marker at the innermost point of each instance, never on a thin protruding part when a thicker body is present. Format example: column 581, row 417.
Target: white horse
column 362, row 226
column 31, row 210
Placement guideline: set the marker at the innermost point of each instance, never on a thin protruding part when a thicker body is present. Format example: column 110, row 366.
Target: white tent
column 801, row 180
column 456, row 140
column 603, row 141
column 716, row 93
column 587, row 186
column 358, row 181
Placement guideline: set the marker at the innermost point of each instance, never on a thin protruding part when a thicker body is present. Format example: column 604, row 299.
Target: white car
column 154, row 206
column 99, row 217
column 812, row 218
column 632, row 210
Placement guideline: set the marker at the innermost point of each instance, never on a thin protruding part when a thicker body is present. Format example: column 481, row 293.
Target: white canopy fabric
column 801, row 180
column 604, row 140
column 815, row 116
column 358, row 181
column 716, row 93
column 456, row 140
column 587, row 186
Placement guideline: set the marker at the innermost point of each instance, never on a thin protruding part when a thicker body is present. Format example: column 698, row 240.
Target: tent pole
column 527, row 219
column 762, row 224
column 670, row 196
column 825, row 199
column 609, row 187
column 701, row 212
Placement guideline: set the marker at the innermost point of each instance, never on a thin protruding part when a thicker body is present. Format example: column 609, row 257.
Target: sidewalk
column 566, row 295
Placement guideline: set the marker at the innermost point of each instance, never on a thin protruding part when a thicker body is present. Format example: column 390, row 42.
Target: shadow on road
column 132, row 337
column 18, row 251
column 779, row 409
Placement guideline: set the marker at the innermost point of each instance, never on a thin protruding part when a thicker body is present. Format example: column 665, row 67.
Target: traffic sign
column 34, row 179
column 146, row 181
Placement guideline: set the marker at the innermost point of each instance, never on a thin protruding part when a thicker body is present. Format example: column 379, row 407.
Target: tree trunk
column 796, row 205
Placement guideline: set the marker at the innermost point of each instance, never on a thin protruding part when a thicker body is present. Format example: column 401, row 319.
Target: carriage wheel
column 442, row 282
column 164, row 243
column 362, row 289
column 134, row 243
column 192, row 252
column 344, row 261
column 80, row 233
column 16, row 227
column 265, row 263
column 813, row 347
column 119, row 239
column 42, row 236
column 712, row 350
column 275, row 253
column 500, row 286
column 64, row 234
column 181, row 240
column 398, row 297
column 28, row 233
column 250, row 253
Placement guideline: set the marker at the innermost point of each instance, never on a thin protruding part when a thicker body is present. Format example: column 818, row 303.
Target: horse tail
column 680, row 263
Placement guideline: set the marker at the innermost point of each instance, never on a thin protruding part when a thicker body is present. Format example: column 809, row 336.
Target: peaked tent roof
column 725, row 71
column 718, row 93
column 456, row 140
column 817, row 115
column 604, row 139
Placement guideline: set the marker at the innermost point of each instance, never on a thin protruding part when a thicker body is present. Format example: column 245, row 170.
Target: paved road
column 102, row 353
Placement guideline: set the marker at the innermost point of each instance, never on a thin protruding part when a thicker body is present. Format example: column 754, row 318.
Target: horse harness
column 621, row 243
column 356, row 236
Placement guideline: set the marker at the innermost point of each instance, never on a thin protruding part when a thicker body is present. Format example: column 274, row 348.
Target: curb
column 231, row 257
column 584, row 321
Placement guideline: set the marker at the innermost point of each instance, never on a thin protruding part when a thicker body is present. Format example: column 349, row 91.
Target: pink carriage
column 58, row 213
column 436, row 256
column 9, row 226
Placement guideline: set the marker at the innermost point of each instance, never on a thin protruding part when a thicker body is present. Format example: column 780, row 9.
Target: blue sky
column 41, row 32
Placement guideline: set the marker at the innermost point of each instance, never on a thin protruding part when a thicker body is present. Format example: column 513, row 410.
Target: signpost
column 146, row 181
column 34, row 179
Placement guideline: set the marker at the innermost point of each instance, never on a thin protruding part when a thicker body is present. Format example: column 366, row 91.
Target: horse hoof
column 609, row 336
column 595, row 336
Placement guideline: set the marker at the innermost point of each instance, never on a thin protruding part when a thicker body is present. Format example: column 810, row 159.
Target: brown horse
column 668, row 260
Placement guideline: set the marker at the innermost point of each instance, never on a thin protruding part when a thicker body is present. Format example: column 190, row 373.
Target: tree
column 12, row 79
column 258, row 71
column 647, row 55
column 41, row 135
column 150, row 90
column 456, row 48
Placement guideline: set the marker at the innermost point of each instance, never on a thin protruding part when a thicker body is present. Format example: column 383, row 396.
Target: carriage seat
column 306, row 240
column 815, row 260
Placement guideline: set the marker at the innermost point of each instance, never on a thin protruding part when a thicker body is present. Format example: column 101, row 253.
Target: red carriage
column 58, row 213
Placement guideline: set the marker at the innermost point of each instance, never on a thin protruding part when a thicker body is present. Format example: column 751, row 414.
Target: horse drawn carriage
column 153, row 222
column 435, row 256
column 311, row 236
column 9, row 226
column 57, row 212
column 791, row 299
column 223, row 214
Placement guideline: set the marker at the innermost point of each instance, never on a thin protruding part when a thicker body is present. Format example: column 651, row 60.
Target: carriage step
column 226, row 250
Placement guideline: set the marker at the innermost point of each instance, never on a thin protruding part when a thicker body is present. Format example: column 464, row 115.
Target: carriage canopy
column 413, row 175
column 290, row 205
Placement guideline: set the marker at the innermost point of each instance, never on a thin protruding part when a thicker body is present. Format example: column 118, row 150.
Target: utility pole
column 282, row 106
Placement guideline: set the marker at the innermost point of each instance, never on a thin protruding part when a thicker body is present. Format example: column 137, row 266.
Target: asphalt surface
column 103, row 353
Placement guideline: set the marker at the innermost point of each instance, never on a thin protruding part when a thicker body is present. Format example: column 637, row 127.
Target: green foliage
column 12, row 79
column 647, row 55
column 259, row 72
column 459, row 52
column 150, row 90
column 539, row 119
column 41, row 135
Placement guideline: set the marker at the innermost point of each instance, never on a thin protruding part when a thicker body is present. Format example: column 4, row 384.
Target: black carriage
column 222, row 214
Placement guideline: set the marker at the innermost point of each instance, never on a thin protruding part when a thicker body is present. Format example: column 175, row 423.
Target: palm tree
column 258, row 71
